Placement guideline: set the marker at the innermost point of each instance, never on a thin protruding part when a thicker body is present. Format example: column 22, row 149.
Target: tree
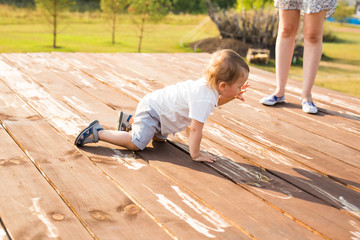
column 149, row 10
column 252, row 4
column 188, row 6
column 343, row 11
column 52, row 9
column 113, row 7
column 198, row 6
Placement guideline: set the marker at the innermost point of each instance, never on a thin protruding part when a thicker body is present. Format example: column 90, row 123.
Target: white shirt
column 178, row 104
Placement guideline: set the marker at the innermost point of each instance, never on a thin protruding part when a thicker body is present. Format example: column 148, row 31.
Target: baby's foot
column 122, row 123
column 89, row 134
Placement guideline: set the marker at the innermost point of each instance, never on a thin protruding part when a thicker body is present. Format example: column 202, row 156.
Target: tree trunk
column 113, row 23
column 143, row 17
column 55, row 23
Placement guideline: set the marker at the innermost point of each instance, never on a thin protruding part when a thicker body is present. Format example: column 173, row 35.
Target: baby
column 173, row 108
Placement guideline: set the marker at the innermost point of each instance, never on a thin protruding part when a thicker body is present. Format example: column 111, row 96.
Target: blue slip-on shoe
column 309, row 107
column 85, row 135
column 122, row 123
column 272, row 100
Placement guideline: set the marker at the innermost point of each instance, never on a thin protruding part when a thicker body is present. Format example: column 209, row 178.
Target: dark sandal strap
column 94, row 129
column 95, row 132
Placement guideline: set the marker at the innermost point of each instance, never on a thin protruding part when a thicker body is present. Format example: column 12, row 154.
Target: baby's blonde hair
column 225, row 66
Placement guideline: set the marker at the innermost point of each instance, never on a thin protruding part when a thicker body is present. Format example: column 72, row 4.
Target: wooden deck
column 280, row 173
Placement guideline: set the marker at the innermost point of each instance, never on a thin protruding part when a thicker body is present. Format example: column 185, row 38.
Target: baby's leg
column 119, row 138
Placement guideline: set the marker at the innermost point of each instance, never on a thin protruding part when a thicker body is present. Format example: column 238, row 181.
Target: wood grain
column 279, row 174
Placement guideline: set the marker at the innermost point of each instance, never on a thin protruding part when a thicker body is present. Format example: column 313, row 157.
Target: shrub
column 328, row 35
column 257, row 27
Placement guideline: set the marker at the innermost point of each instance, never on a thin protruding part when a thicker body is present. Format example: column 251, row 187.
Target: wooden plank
column 158, row 64
column 122, row 177
column 71, row 96
column 98, row 90
column 269, row 80
column 330, row 114
column 181, row 220
column 31, row 62
column 98, row 201
column 287, row 168
column 311, row 159
column 118, row 61
column 345, row 191
column 194, row 64
column 322, row 127
column 127, row 85
column 29, row 205
column 334, row 128
column 232, row 165
column 272, row 133
column 3, row 232
column 154, row 189
column 192, row 217
column 265, row 117
column 336, row 133
column 352, row 139
column 308, row 211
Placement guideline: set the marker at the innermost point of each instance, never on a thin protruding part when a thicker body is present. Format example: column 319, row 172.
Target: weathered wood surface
column 25, row 193
column 280, row 173
column 3, row 234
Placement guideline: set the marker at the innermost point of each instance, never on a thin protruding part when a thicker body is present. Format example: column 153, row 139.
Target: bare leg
column 288, row 27
column 120, row 138
column 313, row 32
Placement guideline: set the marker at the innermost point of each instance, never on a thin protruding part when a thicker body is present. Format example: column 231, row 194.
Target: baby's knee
column 133, row 147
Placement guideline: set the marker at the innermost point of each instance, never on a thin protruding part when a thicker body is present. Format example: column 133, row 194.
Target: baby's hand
column 243, row 89
column 204, row 157
column 245, row 86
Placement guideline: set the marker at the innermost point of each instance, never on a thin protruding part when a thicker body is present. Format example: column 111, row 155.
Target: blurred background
column 155, row 26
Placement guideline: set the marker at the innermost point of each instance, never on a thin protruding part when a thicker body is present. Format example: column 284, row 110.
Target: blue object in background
column 353, row 21
column 348, row 20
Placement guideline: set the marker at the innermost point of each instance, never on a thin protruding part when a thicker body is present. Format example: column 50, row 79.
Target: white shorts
column 146, row 125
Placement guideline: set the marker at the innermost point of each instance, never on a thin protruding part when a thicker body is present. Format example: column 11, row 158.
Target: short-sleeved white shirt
column 177, row 104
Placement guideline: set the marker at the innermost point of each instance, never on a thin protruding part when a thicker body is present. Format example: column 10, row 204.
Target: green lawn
column 24, row 30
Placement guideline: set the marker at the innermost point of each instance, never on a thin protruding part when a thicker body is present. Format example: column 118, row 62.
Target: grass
column 23, row 30
column 26, row 30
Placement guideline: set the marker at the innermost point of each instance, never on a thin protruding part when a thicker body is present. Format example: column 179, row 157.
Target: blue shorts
column 146, row 125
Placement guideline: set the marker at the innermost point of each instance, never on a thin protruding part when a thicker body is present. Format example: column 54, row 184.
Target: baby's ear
column 222, row 85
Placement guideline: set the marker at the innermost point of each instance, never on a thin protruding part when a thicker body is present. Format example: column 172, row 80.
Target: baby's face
column 233, row 90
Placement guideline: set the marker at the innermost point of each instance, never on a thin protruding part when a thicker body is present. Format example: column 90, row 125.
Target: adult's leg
column 288, row 27
column 313, row 35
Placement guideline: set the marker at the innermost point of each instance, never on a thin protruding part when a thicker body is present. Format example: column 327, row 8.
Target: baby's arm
column 194, row 142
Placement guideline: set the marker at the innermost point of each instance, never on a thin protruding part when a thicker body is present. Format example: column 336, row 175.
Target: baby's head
column 226, row 66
